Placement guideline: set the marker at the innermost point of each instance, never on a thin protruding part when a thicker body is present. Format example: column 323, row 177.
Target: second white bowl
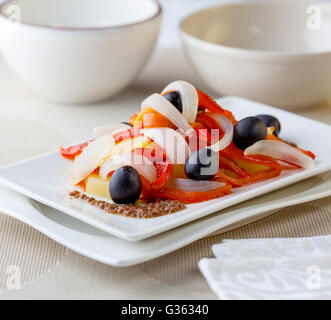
column 278, row 53
column 78, row 51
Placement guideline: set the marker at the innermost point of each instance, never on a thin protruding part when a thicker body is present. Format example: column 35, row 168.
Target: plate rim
column 261, row 212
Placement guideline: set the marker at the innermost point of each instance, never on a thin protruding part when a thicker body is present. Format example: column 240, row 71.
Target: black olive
column 174, row 98
column 202, row 164
column 127, row 123
column 248, row 131
column 271, row 121
column 125, row 185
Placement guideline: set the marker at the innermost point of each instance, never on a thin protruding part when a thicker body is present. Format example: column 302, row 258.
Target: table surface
column 30, row 125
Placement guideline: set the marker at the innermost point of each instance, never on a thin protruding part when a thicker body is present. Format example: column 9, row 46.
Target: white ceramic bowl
column 78, row 51
column 278, row 53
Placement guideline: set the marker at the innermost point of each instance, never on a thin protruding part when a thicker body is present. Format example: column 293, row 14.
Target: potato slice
column 97, row 186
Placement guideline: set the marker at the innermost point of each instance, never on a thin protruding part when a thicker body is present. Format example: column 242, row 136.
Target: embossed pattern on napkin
column 294, row 268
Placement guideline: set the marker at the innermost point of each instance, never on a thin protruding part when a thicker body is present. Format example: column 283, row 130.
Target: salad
column 180, row 146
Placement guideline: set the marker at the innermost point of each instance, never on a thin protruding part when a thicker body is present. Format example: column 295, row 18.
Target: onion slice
column 144, row 166
column 190, row 185
column 189, row 97
column 91, row 157
column 171, row 141
column 161, row 105
column 281, row 151
column 227, row 127
column 109, row 129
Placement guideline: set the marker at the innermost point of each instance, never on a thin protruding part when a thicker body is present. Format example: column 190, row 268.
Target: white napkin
column 291, row 268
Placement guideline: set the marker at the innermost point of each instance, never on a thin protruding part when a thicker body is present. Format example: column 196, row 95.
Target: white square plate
column 44, row 178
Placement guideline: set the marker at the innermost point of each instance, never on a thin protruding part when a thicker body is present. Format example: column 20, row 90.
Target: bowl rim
column 244, row 52
column 77, row 29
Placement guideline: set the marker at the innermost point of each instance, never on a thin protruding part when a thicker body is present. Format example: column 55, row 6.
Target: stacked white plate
column 35, row 192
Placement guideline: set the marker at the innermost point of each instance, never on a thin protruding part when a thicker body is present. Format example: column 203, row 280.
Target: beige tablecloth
column 29, row 125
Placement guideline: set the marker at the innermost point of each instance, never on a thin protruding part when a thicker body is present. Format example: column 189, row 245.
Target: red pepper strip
column 306, row 152
column 254, row 178
column 207, row 102
column 233, row 152
column 203, row 134
column 73, row 151
column 151, row 190
column 210, row 124
column 127, row 134
column 157, row 155
column 207, row 121
column 197, row 125
column 194, row 197
column 163, row 172
column 200, row 139
column 231, row 165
